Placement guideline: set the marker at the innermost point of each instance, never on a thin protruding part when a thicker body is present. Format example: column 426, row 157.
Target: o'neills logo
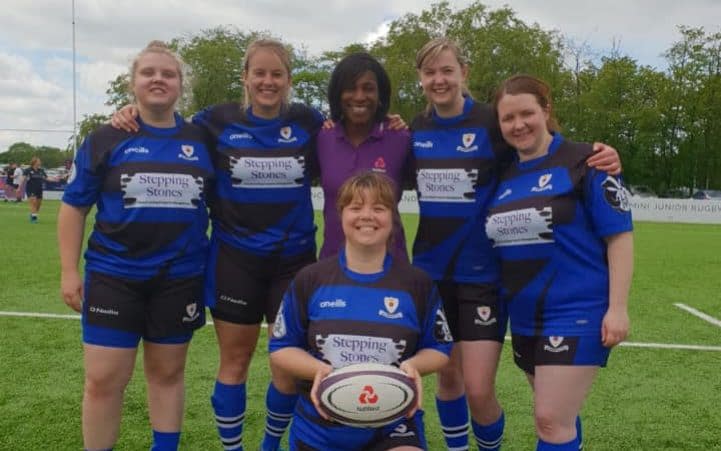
column 103, row 311
column 555, row 345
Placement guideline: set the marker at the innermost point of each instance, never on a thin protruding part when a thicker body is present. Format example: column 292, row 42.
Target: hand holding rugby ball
column 367, row 394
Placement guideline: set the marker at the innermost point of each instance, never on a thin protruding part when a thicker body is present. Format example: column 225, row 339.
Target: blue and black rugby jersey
column 264, row 168
column 344, row 318
column 548, row 220
column 456, row 161
column 150, row 189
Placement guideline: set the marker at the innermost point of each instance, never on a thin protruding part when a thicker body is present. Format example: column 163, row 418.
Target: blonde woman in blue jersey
column 458, row 149
column 263, row 230
column 563, row 234
column 145, row 257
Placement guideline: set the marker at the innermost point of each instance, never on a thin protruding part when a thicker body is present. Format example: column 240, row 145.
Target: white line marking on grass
column 670, row 346
column 39, row 315
column 699, row 314
column 625, row 343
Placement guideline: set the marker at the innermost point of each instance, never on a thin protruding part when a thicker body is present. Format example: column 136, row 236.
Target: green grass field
column 649, row 398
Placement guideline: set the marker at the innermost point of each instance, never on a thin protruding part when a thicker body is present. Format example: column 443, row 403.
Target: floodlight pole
column 75, row 102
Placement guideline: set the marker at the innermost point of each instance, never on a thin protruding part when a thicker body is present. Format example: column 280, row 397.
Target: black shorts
column 474, row 311
column 532, row 351
column 242, row 288
column 118, row 311
column 404, row 432
column 34, row 190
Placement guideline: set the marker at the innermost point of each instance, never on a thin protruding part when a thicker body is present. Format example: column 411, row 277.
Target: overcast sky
column 36, row 40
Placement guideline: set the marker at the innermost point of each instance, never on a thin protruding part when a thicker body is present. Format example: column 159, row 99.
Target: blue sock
column 579, row 433
column 229, row 405
column 165, row 441
column 489, row 437
column 280, row 411
column 568, row 446
column 454, row 422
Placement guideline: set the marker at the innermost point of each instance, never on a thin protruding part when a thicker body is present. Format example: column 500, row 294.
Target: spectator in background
column 17, row 183
column 35, row 176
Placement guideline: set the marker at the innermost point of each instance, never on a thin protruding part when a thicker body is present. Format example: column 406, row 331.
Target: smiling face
column 367, row 222
column 360, row 101
column 443, row 78
column 267, row 83
column 523, row 124
column 156, row 82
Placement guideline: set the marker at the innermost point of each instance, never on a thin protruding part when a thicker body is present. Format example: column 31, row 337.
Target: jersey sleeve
column 607, row 202
column 85, row 180
column 289, row 329
column 436, row 334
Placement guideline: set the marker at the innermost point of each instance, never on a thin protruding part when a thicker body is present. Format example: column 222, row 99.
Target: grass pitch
column 649, row 398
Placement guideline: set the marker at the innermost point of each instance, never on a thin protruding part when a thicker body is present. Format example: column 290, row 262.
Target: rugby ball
column 367, row 395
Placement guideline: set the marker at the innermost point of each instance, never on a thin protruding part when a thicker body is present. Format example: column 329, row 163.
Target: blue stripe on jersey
column 264, row 168
column 150, row 191
column 455, row 175
column 548, row 220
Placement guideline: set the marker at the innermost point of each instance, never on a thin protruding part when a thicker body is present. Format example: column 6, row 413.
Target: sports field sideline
column 662, row 390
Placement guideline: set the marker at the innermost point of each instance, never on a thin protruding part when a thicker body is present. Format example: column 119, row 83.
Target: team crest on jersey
column 543, row 183
column 391, row 304
column 616, row 194
column 484, row 316
column 441, row 331
column 187, row 152
column 286, row 135
column 192, row 312
column 556, row 345
column 467, row 139
column 279, row 329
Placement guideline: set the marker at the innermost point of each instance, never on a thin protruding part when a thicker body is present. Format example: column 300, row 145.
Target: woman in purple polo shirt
column 359, row 95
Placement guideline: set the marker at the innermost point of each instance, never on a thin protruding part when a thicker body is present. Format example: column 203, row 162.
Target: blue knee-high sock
column 165, row 441
column 229, row 405
column 568, row 446
column 489, row 437
column 579, row 432
column 280, row 411
column 454, row 422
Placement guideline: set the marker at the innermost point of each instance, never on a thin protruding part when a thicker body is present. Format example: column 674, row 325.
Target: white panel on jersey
column 521, row 227
column 342, row 350
column 281, row 172
column 160, row 190
column 446, row 185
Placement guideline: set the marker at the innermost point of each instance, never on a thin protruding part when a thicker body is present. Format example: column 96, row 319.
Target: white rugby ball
column 367, row 395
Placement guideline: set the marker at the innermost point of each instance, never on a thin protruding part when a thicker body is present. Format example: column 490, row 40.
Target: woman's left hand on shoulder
column 396, row 122
column 605, row 158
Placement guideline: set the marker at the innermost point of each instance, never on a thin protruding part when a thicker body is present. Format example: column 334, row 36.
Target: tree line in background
column 665, row 124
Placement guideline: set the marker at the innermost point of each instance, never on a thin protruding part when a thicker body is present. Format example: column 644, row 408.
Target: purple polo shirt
column 384, row 151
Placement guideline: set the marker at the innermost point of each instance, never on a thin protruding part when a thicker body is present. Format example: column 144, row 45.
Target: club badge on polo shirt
column 391, row 305
column 187, row 152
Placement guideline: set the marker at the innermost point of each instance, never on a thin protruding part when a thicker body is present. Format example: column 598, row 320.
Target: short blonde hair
column 279, row 50
column 378, row 186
